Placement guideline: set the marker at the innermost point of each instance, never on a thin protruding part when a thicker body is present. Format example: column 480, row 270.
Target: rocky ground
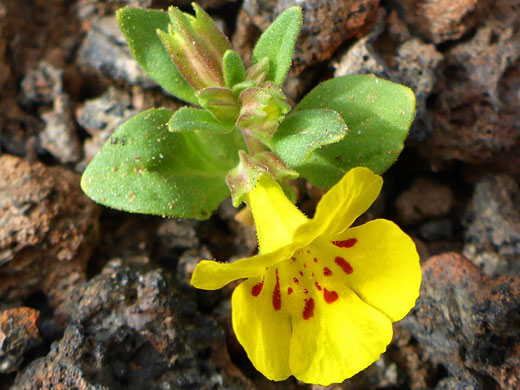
column 92, row 298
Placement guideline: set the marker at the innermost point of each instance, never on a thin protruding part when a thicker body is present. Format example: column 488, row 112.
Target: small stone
column 442, row 20
column 18, row 334
column 493, row 225
column 59, row 136
column 105, row 52
column 425, row 199
column 43, row 84
column 47, row 230
column 468, row 323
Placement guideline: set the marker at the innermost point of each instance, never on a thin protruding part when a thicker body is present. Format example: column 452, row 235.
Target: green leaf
column 277, row 44
column 304, row 131
column 191, row 119
column 378, row 113
column 233, row 67
column 139, row 27
column 144, row 168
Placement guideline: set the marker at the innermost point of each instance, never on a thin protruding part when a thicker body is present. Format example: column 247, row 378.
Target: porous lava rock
column 468, row 323
column 18, row 334
column 131, row 327
column 326, row 24
column 492, row 234
column 442, row 20
column 48, row 228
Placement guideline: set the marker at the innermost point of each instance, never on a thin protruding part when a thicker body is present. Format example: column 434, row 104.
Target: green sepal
column 220, row 102
column 302, row 132
column 277, row 43
column 233, row 68
column 262, row 109
column 139, row 29
column 378, row 113
column 144, row 168
column 244, row 177
column 188, row 119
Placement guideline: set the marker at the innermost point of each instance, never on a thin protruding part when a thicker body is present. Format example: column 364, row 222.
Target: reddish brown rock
column 425, row 199
column 326, row 24
column 469, row 323
column 475, row 106
column 18, row 334
column 47, row 230
column 442, row 20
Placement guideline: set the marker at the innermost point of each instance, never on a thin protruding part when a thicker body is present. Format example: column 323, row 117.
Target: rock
column 131, row 327
column 442, row 20
column 42, row 84
column 326, row 24
column 468, row 323
column 425, row 199
column 416, row 66
column 492, row 234
column 105, row 52
column 18, row 334
column 362, row 58
column 47, row 230
column 59, row 136
column 475, row 108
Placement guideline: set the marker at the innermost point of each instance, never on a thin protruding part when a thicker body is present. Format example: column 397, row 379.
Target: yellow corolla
column 320, row 298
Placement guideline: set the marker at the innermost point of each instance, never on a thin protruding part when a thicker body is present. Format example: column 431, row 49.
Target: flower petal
column 343, row 203
column 264, row 333
column 385, row 266
column 341, row 339
column 276, row 218
column 212, row 275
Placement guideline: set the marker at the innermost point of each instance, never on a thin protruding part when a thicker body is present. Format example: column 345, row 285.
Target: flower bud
column 197, row 46
column 262, row 109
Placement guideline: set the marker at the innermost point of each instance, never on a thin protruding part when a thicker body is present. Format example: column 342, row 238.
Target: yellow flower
column 320, row 298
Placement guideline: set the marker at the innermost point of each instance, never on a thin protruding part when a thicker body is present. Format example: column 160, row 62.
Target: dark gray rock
column 468, row 323
column 492, row 235
column 130, row 327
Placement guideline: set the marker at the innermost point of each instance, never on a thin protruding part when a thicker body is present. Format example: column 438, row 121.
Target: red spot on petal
column 277, row 297
column 296, row 280
column 289, row 290
column 315, row 260
column 330, row 296
column 293, row 258
column 308, row 251
column 345, row 243
column 313, row 274
column 344, row 264
column 257, row 288
column 304, row 265
column 305, row 291
column 327, row 271
column 317, row 286
column 301, row 273
column 308, row 310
